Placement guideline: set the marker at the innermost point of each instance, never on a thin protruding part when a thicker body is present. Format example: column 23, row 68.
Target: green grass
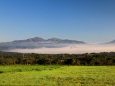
column 57, row 75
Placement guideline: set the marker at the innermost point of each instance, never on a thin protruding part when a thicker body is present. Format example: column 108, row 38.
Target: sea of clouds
column 70, row 49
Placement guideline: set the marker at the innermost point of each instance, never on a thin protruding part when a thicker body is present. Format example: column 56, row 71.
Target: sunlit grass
column 57, row 75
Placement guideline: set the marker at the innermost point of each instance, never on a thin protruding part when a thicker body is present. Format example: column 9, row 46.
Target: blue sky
column 92, row 21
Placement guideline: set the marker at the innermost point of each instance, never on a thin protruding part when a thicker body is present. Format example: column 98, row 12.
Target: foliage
column 90, row 59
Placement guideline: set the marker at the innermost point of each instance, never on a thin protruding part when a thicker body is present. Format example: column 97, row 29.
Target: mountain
column 54, row 39
column 111, row 42
column 35, row 39
column 65, row 41
column 38, row 42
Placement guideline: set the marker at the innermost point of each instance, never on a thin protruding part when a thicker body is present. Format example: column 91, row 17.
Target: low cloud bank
column 70, row 49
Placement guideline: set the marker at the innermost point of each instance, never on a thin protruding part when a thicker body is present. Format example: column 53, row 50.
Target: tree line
column 90, row 59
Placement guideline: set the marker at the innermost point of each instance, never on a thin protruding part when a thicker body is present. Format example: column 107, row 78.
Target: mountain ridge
column 38, row 42
column 30, row 39
column 39, row 39
column 111, row 42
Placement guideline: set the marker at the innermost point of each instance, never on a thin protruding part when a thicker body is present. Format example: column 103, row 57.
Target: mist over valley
column 55, row 46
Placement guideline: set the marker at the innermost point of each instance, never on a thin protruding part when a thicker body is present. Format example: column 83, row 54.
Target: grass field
column 57, row 75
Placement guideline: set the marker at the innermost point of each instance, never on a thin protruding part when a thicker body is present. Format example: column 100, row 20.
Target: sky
column 91, row 21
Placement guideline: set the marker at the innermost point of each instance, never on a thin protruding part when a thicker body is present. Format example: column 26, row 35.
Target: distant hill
column 111, row 42
column 36, row 39
column 38, row 42
column 65, row 41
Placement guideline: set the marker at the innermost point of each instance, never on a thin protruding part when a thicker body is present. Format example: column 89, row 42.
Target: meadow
column 37, row 75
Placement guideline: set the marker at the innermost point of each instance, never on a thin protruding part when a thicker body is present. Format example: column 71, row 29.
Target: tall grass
column 57, row 75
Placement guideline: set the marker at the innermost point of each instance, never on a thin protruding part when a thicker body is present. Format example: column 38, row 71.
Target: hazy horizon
column 90, row 21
